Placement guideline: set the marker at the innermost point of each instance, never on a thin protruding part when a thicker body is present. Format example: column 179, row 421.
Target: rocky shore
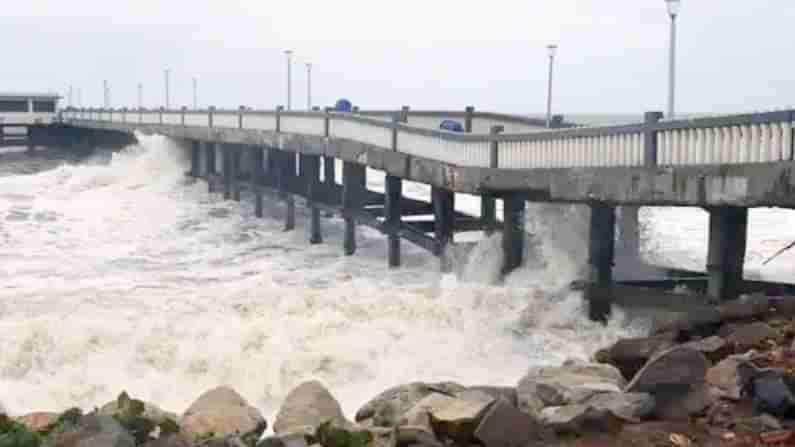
column 719, row 376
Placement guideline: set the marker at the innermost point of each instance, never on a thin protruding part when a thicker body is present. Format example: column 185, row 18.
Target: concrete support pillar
column 2, row 135
column 237, row 158
column 629, row 231
column 329, row 181
column 513, row 232
column 257, row 177
column 310, row 171
column 488, row 204
column 728, row 231
column 195, row 159
column 354, row 186
column 601, row 252
column 443, row 202
column 285, row 174
column 394, row 195
column 227, row 170
column 209, row 152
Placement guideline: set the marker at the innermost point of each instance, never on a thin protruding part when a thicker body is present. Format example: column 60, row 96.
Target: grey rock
column 221, row 411
column 389, row 406
column 411, row 435
column 749, row 335
column 570, row 383
column 631, row 407
column 771, row 390
column 420, row 414
column 714, row 348
column 285, row 440
column 756, row 424
column 579, row 418
column 746, row 309
column 506, row 392
column 702, row 321
column 629, row 355
column 457, row 419
column 504, row 425
column 725, row 377
column 151, row 412
column 309, row 405
column 175, row 440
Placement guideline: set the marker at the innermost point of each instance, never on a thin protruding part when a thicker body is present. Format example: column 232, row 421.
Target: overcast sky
column 733, row 55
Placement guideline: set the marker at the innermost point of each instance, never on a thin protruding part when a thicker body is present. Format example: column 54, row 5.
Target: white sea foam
column 121, row 273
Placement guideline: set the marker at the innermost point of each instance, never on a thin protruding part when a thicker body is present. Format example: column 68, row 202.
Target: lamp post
column 289, row 54
column 195, row 100
column 105, row 96
column 140, row 96
column 673, row 11
column 168, row 99
column 552, row 50
column 309, row 86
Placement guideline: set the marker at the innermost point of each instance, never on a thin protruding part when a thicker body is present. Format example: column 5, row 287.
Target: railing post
column 182, row 115
column 488, row 204
column 124, row 115
column 279, row 110
column 110, row 115
column 162, row 109
column 404, row 114
column 240, row 111
column 327, row 122
column 140, row 115
column 470, row 114
column 650, row 139
column 210, row 113
column 355, row 109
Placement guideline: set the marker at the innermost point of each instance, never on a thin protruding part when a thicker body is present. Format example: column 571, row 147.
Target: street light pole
column 195, row 101
column 673, row 11
column 289, row 54
column 308, row 86
column 140, row 96
column 105, row 99
column 552, row 49
column 168, row 99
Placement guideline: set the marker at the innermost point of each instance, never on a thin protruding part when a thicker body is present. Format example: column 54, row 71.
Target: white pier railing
column 732, row 139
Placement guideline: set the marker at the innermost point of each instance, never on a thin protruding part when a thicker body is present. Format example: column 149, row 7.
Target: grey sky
column 733, row 55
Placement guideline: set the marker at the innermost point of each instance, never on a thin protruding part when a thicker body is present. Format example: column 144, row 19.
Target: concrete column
column 310, row 171
column 468, row 118
column 257, row 177
column 209, row 152
column 443, row 202
column 354, row 186
column 629, row 231
column 2, row 135
column 237, row 159
column 195, row 159
column 601, row 251
column 513, row 232
column 285, row 173
column 728, row 231
column 394, row 194
column 226, row 155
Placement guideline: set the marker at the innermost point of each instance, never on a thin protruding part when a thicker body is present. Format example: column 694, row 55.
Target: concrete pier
column 195, row 159
column 237, row 158
column 310, row 172
column 257, row 155
column 354, row 186
column 601, row 253
column 209, row 152
column 393, row 218
column 513, row 232
column 728, row 230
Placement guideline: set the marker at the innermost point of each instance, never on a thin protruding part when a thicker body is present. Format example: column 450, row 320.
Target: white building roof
column 28, row 95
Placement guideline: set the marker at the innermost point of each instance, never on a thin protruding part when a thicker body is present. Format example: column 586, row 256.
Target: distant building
column 28, row 108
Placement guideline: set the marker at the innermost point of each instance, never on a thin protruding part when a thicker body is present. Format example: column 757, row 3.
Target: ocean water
column 117, row 272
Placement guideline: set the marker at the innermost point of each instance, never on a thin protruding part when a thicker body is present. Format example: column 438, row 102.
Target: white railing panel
column 229, row 120
column 150, row 118
column 260, row 122
column 459, row 153
column 572, row 152
column 173, row 119
column 197, row 119
column 303, row 125
column 362, row 132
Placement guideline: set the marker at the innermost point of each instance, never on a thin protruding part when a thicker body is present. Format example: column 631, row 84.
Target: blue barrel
column 343, row 105
column 451, row 125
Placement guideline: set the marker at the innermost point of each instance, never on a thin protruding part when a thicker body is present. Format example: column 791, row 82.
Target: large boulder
column 497, row 392
column 387, row 408
column 124, row 403
column 724, row 378
column 676, row 379
column 91, row 430
column 504, row 425
column 714, row 348
column 221, row 412
column 571, row 383
column 458, row 418
column 307, row 407
column 772, row 390
column 700, row 321
column 629, row 355
column 631, row 407
column 579, row 418
column 745, row 309
column 172, row 440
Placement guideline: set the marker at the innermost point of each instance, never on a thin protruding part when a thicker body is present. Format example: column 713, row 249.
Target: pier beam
column 354, row 185
column 310, row 171
column 513, row 232
column 257, row 154
column 728, row 231
column 394, row 195
column 601, row 253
